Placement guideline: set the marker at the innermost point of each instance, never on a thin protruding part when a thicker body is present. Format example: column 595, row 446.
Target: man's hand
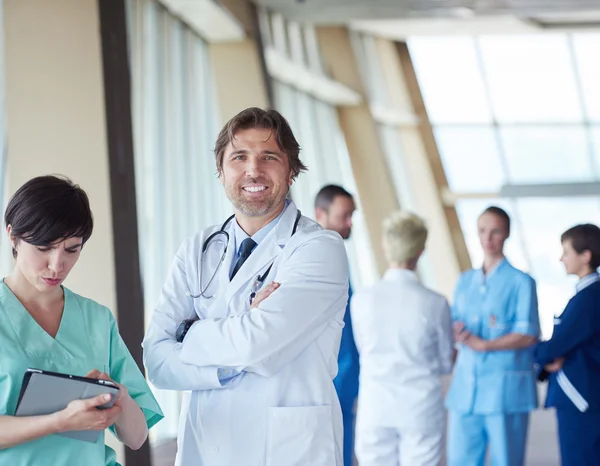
column 555, row 365
column 264, row 294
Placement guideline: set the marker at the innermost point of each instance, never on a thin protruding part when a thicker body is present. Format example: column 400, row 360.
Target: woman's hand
column 459, row 331
column 130, row 423
column 462, row 335
column 123, row 392
column 85, row 415
column 475, row 343
column 555, row 365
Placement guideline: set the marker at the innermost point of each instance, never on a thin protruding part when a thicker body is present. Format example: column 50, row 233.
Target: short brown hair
column 585, row 237
column 327, row 195
column 270, row 119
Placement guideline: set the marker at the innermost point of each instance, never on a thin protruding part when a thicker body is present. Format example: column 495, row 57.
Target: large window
column 324, row 151
column 174, row 124
column 316, row 126
column 517, row 110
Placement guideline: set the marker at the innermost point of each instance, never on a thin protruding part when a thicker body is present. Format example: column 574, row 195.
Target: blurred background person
column 403, row 332
column 572, row 355
column 493, row 387
column 334, row 207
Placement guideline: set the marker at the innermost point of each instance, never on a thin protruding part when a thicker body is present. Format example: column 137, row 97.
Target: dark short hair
column 270, row 119
column 327, row 195
column 585, row 237
column 495, row 210
column 47, row 209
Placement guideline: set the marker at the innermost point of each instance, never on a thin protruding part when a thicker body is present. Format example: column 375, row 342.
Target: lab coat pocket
column 300, row 436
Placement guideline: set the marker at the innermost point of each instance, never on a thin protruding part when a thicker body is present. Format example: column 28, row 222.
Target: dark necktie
column 245, row 250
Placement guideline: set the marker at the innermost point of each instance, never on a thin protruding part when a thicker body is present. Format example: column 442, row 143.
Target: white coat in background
column 403, row 333
column 282, row 410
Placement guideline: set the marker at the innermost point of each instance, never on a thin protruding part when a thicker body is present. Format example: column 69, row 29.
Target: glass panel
column 174, row 129
column 367, row 57
column 297, row 50
column 395, row 158
column 450, row 79
column 312, row 49
column 544, row 220
column 595, row 140
column 324, row 151
column 279, row 35
column 587, row 51
column 547, row 154
column 531, row 78
column 468, row 150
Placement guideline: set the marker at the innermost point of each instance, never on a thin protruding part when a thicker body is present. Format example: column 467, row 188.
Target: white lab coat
column 403, row 333
column 283, row 409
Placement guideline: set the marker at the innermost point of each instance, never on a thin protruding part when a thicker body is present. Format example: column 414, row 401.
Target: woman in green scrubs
column 46, row 326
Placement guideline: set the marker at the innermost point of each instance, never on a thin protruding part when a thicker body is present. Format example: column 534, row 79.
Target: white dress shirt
column 403, row 332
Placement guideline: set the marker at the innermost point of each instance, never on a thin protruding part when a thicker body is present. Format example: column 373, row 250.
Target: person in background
column 493, row 387
column 334, row 207
column 571, row 357
column 403, row 331
column 45, row 325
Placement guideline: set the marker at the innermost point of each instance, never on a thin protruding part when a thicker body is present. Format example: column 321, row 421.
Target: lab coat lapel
column 229, row 256
column 265, row 253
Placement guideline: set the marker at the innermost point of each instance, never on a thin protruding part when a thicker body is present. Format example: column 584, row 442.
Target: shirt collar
column 400, row 274
column 240, row 235
column 587, row 281
column 484, row 277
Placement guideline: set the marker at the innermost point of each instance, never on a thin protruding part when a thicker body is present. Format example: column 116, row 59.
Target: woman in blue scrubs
column 493, row 388
column 46, row 326
column 571, row 357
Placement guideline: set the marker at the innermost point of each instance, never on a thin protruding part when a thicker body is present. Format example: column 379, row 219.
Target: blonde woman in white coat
column 403, row 332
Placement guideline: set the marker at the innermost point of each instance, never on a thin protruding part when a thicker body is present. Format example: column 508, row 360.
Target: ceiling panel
column 344, row 11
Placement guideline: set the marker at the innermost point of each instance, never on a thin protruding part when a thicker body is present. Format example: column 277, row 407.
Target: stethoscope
column 222, row 231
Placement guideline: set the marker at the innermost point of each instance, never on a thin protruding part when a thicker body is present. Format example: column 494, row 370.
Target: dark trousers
column 579, row 437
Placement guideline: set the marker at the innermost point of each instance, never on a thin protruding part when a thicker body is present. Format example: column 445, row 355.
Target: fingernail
column 106, row 397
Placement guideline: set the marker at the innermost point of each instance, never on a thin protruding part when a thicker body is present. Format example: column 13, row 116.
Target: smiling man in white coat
column 249, row 319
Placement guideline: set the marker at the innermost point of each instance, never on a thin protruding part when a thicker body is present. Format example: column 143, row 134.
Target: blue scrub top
column 346, row 381
column 492, row 306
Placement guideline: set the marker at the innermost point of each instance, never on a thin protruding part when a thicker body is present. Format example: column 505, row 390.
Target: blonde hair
column 404, row 236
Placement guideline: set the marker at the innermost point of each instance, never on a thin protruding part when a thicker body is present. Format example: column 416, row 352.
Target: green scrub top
column 88, row 338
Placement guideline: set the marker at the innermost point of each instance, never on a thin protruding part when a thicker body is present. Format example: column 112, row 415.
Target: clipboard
column 44, row 392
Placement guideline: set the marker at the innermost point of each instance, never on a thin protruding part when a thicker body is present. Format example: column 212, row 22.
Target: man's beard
column 253, row 209
column 256, row 208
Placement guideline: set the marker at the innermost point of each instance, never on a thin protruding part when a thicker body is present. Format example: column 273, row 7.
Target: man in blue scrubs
column 334, row 207
column 493, row 387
